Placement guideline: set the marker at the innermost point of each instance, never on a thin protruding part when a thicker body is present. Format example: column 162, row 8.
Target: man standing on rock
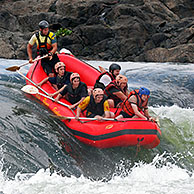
column 46, row 43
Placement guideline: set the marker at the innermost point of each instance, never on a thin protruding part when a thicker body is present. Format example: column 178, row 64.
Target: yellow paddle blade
column 30, row 89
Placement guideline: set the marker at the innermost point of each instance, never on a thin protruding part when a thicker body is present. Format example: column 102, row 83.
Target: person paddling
column 106, row 77
column 60, row 81
column 46, row 43
column 117, row 91
column 136, row 105
column 96, row 106
column 75, row 92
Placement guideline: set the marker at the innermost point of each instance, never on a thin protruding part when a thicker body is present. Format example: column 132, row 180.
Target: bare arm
column 29, row 51
column 54, row 48
column 58, row 91
column 78, row 111
column 136, row 111
column 77, row 103
column 43, row 81
column 146, row 113
column 120, row 95
column 53, row 51
column 133, row 101
column 107, row 114
column 58, row 97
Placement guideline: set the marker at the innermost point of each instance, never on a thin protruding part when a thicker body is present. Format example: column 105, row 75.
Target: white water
column 158, row 177
column 143, row 179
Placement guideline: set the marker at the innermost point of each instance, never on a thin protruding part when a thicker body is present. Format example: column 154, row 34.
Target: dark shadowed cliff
column 119, row 30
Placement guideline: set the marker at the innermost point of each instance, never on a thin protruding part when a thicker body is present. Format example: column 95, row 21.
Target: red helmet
column 121, row 79
column 97, row 91
column 58, row 65
column 74, row 75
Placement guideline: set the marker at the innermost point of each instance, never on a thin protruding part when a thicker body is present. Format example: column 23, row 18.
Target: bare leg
column 119, row 117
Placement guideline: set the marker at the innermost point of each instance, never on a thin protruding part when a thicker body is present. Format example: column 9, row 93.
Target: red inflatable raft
column 104, row 134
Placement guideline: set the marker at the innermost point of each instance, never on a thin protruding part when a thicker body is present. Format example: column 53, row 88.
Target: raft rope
column 138, row 149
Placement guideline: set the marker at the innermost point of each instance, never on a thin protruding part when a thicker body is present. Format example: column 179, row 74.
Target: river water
column 38, row 155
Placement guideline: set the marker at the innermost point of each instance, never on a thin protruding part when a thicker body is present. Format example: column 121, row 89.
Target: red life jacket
column 126, row 105
column 99, row 84
column 112, row 96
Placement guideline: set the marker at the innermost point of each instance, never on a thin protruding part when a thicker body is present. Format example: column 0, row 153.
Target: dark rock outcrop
column 119, row 30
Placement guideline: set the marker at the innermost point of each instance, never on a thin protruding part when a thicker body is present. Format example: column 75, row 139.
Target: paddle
column 32, row 82
column 102, row 69
column 83, row 118
column 33, row 90
column 16, row 68
column 105, row 119
column 157, row 121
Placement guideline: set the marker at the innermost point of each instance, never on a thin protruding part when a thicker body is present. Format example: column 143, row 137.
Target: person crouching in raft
column 60, row 81
column 117, row 91
column 106, row 77
column 136, row 105
column 75, row 92
column 96, row 106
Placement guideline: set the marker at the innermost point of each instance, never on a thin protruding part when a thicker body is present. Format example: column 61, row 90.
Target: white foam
column 142, row 179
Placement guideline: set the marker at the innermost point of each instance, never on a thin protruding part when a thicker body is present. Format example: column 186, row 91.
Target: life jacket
column 43, row 48
column 99, row 84
column 96, row 109
column 74, row 95
column 126, row 105
column 61, row 81
column 112, row 96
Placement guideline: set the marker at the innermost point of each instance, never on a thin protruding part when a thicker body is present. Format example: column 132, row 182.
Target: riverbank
column 116, row 30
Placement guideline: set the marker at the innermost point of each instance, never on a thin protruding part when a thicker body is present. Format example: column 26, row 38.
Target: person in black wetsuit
column 60, row 81
column 75, row 92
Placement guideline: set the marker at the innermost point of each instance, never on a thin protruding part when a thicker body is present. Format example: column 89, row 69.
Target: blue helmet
column 144, row 91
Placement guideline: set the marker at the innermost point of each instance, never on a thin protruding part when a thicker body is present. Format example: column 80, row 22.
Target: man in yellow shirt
column 46, row 43
column 96, row 106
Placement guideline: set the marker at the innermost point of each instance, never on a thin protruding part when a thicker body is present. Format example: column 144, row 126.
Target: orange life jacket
column 126, row 105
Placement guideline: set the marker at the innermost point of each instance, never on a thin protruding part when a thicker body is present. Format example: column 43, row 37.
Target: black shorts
column 48, row 65
column 125, row 115
column 92, row 115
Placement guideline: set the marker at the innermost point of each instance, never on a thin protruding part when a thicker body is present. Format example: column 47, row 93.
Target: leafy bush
column 63, row 32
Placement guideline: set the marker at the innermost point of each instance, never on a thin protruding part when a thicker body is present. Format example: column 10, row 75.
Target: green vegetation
column 63, row 32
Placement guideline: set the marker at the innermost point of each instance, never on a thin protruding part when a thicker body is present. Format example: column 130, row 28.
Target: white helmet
column 58, row 65
column 74, row 75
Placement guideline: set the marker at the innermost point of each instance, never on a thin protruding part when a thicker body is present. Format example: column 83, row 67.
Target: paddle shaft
column 59, row 102
column 85, row 118
column 33, row 61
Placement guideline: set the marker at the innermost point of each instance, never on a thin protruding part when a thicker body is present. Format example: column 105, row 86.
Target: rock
column 6, row 50
column 183, row 54
column 119, row 30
